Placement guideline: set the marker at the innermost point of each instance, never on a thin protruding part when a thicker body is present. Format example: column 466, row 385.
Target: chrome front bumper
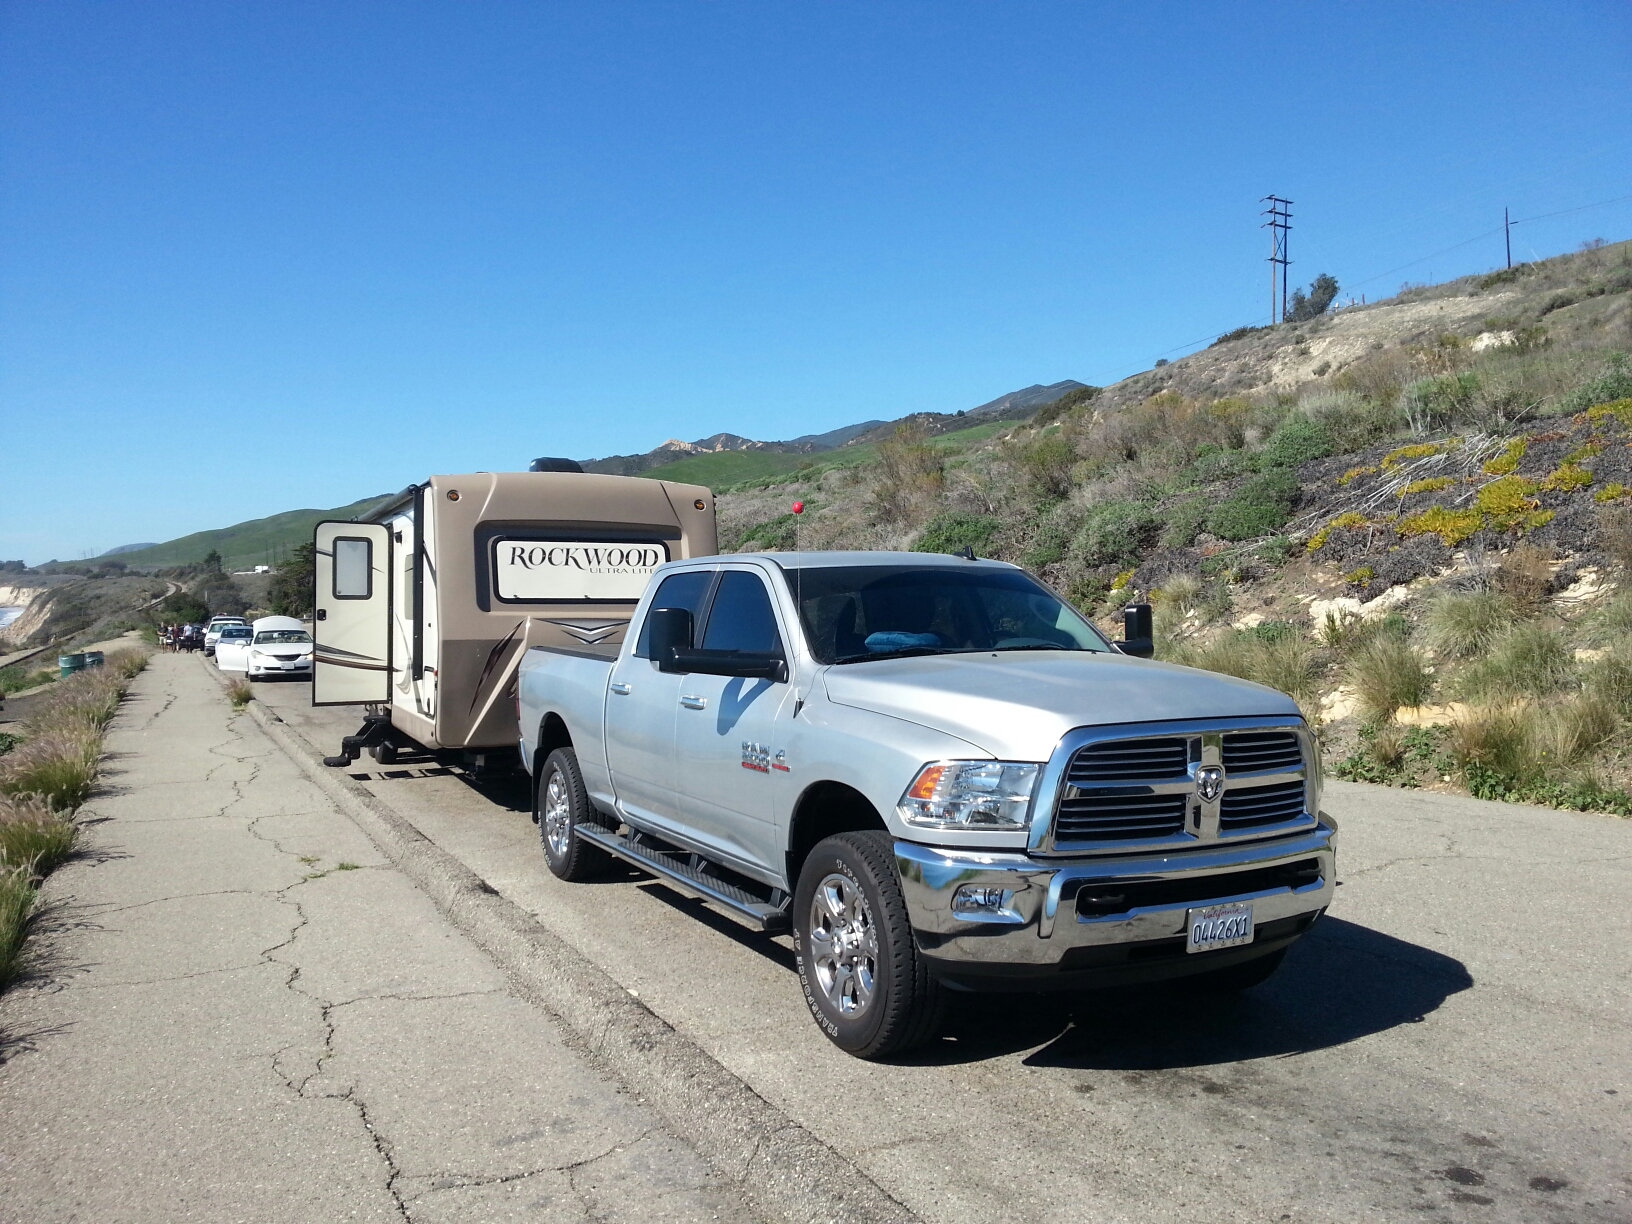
column 1038, row 927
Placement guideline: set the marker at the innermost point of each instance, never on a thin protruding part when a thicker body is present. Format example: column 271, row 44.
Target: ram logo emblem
column 1210, row 783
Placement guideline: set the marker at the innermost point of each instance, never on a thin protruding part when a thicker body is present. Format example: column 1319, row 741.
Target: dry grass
column 1285, row 662
column 57, row 764
column 1578, row 728
column 16, row 903
column 1525, row 577
column 33, row 836
column 1530, row 660
column 1386, row 673
column 1463, row 626
column 241, row 693
column 1500, row 738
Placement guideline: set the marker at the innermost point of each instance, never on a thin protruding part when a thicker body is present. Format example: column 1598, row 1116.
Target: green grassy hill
column 261, row 541
column 726, row 469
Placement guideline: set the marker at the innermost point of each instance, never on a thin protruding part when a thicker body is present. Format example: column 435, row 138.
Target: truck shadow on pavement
column 1341, row 982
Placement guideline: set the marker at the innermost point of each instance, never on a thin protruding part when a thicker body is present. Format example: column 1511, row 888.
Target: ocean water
column 7, row 615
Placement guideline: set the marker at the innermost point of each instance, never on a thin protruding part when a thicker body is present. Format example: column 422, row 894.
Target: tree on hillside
column 212, row 561
column 1322, row 293
column 294, row 583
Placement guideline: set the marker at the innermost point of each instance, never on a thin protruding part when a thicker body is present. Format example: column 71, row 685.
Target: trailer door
column 353, row 614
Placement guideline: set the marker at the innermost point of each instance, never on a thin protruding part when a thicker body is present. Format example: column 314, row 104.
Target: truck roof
column 813, row 560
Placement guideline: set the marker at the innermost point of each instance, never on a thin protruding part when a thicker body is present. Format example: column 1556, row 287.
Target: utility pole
column 1507, row 230
column 1279, row 225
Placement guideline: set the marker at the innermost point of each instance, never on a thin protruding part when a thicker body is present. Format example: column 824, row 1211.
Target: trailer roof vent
column 547, row 464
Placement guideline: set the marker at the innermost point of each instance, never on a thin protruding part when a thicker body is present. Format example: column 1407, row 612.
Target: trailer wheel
column 560, row 805
column 864, row 982
column 384, row 754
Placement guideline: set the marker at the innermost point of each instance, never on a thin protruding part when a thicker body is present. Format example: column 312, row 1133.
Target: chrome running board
column 672, row 868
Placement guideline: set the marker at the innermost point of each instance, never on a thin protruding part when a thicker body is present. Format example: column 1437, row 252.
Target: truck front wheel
column 863, row 979
column 561, row 804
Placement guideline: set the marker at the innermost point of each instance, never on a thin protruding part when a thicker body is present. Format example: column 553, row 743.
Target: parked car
column 936, row 776
column 232, row 647
column 281, row 647
column 212, row 631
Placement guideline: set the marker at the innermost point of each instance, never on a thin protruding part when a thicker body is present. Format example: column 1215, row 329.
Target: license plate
column 1218, row 926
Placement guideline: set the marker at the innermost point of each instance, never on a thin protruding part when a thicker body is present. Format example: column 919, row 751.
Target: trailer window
column 547, row 571
column 353, row 567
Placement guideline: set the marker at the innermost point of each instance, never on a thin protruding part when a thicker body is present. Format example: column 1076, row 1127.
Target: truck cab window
column 741, row 618
column 687, row 591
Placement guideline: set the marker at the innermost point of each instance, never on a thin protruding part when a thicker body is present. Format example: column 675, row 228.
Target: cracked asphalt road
column 1454, row 1042
column 238, row 1011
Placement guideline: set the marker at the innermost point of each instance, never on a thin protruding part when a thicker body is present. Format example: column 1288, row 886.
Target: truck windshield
column 855, row 613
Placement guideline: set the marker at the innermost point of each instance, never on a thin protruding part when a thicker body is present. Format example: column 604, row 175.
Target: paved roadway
column 1451, row 1042
column 238, row 1010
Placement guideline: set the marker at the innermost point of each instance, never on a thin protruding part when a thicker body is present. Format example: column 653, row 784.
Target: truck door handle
column 694, row 703
column 622, row 689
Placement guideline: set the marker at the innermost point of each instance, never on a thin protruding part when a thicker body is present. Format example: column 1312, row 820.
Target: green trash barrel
column 93, row 658
column 68, row 664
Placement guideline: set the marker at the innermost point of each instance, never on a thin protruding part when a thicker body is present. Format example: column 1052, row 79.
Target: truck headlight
column 970, row 795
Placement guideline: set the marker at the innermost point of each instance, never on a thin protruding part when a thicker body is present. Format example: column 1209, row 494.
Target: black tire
column 569, row 857
column 384, row 754
column 1237, row 977
column 904, row 1004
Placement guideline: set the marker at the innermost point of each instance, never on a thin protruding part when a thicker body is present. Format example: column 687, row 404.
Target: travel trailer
column 424, row 609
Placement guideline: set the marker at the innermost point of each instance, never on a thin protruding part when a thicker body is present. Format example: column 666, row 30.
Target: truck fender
column 823, row 810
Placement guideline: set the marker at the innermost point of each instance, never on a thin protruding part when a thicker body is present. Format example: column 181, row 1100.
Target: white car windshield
column 281, row 637
column 855, row 613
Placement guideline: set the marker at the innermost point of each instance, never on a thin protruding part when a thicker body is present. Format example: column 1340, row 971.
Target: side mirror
column 668, row 630
column 748, row 665
column 1138, row 632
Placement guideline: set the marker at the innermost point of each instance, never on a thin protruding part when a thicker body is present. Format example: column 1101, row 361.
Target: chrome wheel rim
column 843, row 945
column 557, row 815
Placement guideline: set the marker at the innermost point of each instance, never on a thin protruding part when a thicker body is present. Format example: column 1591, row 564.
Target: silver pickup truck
column 937, row 776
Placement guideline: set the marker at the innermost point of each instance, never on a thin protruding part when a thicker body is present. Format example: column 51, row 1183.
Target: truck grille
column 1248, row 806
column 1256, row 750
column 1123, row 761
column 1144, row 789
column 1120, row 817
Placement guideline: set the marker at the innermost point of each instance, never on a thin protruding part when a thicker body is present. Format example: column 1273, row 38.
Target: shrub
column 1260, row 507
column 779, row 534
column 1053, row 537
column 241, row 693
column 1116, row 532
column 1615, row 383
column 1387, row 673
column 1298, row 440
column 1046, row 464
column 1463, row 626
column 1439, row 403
column 1184, row 521
column 956, row 530
column 1350, row 419
column 1240, row 333
column 1507, row 461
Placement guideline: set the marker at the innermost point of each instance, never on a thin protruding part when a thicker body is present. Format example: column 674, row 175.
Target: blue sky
column 261, row 256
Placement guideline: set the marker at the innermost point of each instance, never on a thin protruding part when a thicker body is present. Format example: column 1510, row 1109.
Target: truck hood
column 1017, row 705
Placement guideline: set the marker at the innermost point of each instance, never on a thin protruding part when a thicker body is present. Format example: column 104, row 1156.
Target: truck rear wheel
column 561, row 804
column 863, row 979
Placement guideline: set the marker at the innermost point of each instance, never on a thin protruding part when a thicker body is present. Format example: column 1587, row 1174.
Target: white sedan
column 232, row 647
column 279, row 652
